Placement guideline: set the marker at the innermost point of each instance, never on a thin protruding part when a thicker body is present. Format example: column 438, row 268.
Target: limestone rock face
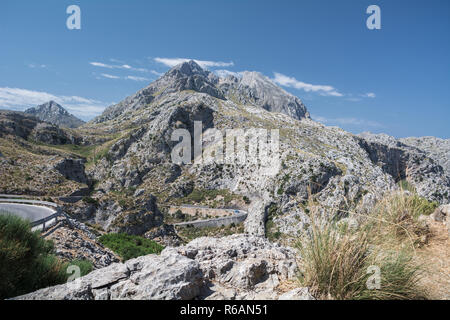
column 241, row 266
column 163, row 277
column 439, row 149
column 234, row 267
column 426, row 170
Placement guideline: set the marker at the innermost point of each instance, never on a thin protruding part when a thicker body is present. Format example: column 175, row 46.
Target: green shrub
column 179, row 215
column 130, row 246
column 26, row 260
column 84, row 265
column 90, row 200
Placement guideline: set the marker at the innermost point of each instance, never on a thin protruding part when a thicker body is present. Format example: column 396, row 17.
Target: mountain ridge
column 252, row 88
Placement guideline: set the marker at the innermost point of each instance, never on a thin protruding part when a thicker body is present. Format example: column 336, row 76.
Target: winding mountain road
column 26, row 211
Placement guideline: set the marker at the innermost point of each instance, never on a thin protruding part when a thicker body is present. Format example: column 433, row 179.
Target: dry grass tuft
column 339, row 262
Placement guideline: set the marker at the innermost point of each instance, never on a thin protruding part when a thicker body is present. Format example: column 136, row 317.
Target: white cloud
column 34, row 66
column 109, row 76
column 224, row 73
column 117, row 66
column 21, row 99
column 369, row 95
column 136, row 78
column 347, row 121
column 102, row 65
column 171, row 62
column 290, row 82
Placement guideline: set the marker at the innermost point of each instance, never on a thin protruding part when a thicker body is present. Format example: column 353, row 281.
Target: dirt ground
column 435, row 257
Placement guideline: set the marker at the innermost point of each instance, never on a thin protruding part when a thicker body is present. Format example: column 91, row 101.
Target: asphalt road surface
column 31, row 212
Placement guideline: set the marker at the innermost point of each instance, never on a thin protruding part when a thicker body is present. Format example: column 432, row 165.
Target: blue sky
column 394, row 80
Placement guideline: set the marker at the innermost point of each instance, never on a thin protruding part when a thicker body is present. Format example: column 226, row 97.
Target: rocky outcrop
column 72, row 169
column 165, row 277
column 241, row 266
column 74, row 241
column 442, row 215
column 134, row 217
column 234, row 267
column 53, row 113
column 438, row 149
column 405, row 162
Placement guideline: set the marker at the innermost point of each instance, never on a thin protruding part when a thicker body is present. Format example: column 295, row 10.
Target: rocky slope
column 33, row 160
column 127, row 152
column 339, row 169
column 55, row 114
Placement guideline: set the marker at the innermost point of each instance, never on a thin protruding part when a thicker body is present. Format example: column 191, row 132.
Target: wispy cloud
column 35, row 66
column 224, row 73
column 21, row 99
column 114, row 77
column 117, row 66
column 171, row 62
column 291, row 82
column 109, row 76
column 136, row 78
column 369, row 95
column 347, row 121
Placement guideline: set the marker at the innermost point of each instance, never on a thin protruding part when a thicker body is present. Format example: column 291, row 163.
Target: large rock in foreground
column 234, row 267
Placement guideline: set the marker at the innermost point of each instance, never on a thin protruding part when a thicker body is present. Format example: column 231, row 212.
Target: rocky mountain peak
column 54, row 113
column 249, row 89
column 188, row 68
column 50, row 106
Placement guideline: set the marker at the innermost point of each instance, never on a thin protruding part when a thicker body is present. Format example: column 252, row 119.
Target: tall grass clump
column 340, row 262
column 130, row 246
